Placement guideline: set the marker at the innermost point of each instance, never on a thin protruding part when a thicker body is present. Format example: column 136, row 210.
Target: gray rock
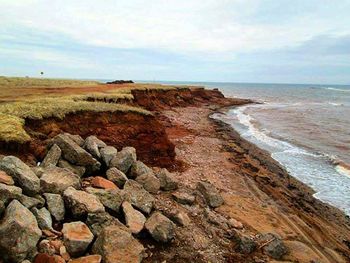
column 78, row 170
column 52, row 156
column 138, row 196
column 247, row 245
column 55, row 205
column 38, row 170
column 107, row 154
column 73, row 153
column 160, row 227
column 138, row 168
column 149, row 181
column 124, row 159
column 93, row 144
column 56, row 180
column 110, row 198
column 115, row 244
column 43, row 217
column 21, row 173
column 18, row 224
column 75, row 138
column 180, row 218
column 77, row 237
column 81, row 203
column 184, row 198
column 211, row 195
column 116, row 176
column 167, row 180
column 30, row 202
column 98, row 221
column 135, row 220
column 274, row 247
column 9, row 192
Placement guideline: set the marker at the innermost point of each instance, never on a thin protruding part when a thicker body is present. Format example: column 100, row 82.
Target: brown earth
column 257, row 191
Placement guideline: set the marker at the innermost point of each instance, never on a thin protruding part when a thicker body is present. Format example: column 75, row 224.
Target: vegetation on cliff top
column 28, row 98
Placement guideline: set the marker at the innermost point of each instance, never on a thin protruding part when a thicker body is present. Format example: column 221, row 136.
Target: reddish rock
column 77, row 237
column 100, row 182
column 45, row 258
column 6, row 179
column 87, row 259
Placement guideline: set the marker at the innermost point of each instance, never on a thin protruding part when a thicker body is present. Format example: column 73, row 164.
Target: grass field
column 34, row 98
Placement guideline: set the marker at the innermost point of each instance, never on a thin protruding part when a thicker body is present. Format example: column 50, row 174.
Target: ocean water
column 306, row 128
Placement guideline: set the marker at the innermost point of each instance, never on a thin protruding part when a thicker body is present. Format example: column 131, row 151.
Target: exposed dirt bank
column 144, row 132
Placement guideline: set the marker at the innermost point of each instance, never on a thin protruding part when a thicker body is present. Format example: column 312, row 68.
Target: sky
column 269, row 41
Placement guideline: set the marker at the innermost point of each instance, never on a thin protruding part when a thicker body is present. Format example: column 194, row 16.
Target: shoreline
column 342, row 168
column 265, row 158
column 259, row 194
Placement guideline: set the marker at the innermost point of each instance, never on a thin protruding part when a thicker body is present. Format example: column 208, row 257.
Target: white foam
column 318, row 170
column 336, row 89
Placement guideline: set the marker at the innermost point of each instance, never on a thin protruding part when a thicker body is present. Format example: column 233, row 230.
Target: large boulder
column 107, row 154
column 75, row 154
column 30, row 202
column 81, row 203
column 19, row 233
column 93, row 144
column 160, row 227
column 211, row 195
column 55, row 205
column 138, row 196
column 43, row 217
column 149, row 181
column 110, row 198
column 124, row 159
column 134, row 219
column 56, row 180
column 98, row 221
column 9, row 192
column 116, row 176
column 138, row 168
column 77, row 237
column 22, row 174
column 52, row 156
column 167, row 180
column 75, row 138
column 115, row 244
column 79, row 170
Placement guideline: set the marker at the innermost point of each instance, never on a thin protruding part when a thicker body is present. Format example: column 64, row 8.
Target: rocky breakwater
column 90, row 202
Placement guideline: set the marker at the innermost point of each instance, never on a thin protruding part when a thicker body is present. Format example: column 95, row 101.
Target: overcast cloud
column 203, row 40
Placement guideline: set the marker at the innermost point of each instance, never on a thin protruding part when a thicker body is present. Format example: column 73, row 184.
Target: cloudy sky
column 283, row 41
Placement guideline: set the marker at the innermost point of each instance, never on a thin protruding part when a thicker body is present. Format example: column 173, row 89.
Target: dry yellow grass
column 34, row 98
column 14, row 82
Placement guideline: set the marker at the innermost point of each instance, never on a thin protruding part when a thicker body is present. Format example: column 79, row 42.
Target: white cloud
column 210, row 26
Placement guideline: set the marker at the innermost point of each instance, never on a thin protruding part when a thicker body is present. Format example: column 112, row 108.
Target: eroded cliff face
column 144, row 132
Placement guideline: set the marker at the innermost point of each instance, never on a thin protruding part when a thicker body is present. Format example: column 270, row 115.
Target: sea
column 306, row 128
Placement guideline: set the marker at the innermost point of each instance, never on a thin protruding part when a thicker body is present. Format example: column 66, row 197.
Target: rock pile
column 88, row 202
column 59, row 212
